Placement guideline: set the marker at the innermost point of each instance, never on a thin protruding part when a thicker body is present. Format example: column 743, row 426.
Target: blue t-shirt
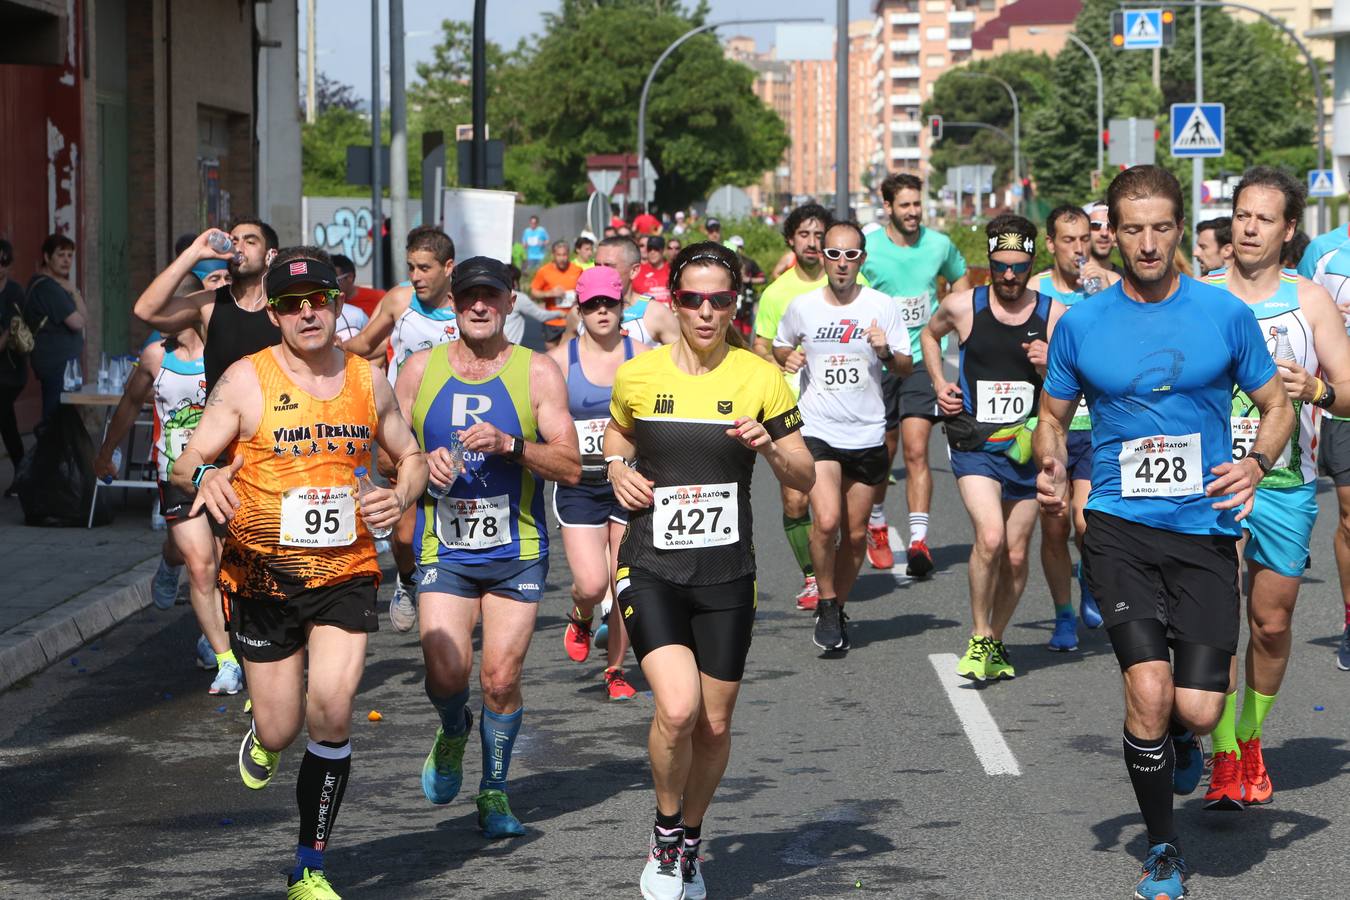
column 536, row 243
column 1320, row 247
column 1159, row 370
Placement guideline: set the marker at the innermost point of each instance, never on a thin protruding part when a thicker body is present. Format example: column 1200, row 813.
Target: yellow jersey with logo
column 699, row 528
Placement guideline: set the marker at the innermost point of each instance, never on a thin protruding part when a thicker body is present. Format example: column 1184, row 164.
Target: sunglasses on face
column 288, row 304
column 594, row 303
column 833, row 253
column 998, row 268
column 694, row 299
column 1097, row 226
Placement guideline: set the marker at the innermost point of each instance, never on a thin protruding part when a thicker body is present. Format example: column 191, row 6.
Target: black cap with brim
column 481, row 271
column 282, row 276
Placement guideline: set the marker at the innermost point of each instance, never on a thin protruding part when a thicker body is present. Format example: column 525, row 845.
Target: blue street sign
column 1197, row 129
column 1143, row 29
column 1321, row 183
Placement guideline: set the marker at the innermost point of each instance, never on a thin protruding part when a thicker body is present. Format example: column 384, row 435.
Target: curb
column 42, row 640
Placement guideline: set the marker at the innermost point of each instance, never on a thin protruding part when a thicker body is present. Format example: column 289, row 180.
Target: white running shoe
column 661, row 877
column 402, row 608
column 229, row 680
column 691, row 868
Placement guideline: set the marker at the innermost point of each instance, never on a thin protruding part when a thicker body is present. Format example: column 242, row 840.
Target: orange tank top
column 298, row 526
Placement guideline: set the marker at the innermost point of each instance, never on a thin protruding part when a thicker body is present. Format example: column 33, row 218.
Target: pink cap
column 599, row 281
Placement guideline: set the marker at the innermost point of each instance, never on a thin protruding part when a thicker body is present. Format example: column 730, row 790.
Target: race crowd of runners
column 1166, row 430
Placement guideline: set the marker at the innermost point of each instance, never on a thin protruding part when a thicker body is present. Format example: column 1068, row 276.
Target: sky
column 344, row 30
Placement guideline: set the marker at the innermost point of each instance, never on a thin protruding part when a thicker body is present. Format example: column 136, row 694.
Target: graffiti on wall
column 347, row 231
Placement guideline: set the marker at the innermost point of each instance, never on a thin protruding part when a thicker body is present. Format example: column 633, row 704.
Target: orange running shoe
column 1255, row 779
column 577, row 637
column 920, row 561
column 618, row 686
column 879, row 547
column 1225, row 783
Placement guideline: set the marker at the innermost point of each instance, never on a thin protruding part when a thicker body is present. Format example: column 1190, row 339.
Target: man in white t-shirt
column 846, row 334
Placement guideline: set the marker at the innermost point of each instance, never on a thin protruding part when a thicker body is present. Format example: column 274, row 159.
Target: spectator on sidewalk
column 55, row 304
column 535, row 239
column 13, row 365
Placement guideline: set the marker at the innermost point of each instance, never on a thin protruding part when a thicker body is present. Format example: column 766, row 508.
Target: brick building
column 129, row 122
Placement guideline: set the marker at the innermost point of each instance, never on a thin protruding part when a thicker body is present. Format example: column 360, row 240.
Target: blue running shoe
column 1087, row 607
column 1190, row 767
column 443, row 771
column 164, row 586
column 1163, row 871
column 495, row 817
column 229, row 680
column 206, row 657
column 1065, row 637
column 601, row 635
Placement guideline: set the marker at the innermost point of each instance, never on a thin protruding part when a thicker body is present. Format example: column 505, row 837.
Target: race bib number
column 914, row 311
column 591, row 435
column 1164, row 465
column 318, row 517
column 473, row 523
column 1244, row 438
column 176, row 440
column 690, row 516
column 843, row 373
column 1003, row 402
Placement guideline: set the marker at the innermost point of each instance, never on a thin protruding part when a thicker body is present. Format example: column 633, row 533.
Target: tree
column 329, row 93
column 323, row 152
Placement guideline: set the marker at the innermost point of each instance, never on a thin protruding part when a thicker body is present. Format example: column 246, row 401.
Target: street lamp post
column 1017, row 129
column 651, row 76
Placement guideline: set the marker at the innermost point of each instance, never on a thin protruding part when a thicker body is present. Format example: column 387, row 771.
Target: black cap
column 480, row 271
column 299, row 270
column 712, row 223
column 656, row 242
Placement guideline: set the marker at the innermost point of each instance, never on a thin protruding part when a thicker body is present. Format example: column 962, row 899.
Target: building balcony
column 902, row 48
column 905, row 18
column 906, row 126
column 906, row 100
column 956, row 16
column 962, row 43
column 905, row 153
column 903, row 72
column 877, row 54
column 877, row 26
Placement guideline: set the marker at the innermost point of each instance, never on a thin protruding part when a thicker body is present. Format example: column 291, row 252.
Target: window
column 936, row 60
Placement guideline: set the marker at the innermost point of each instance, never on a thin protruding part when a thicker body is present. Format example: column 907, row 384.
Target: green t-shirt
column 909, row 275
column 776, row 297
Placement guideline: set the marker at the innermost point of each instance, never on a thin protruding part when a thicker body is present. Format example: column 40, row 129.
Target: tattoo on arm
column 217, row 397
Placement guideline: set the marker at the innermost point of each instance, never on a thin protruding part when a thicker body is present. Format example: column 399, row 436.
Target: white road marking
column 985, row 738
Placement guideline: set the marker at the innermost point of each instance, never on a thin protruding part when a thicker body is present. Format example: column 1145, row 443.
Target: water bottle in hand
column 117, row 466
column 363, row 488
column 1091, row 285
column 221, row 242
column 456, row 450
column 1283, row 348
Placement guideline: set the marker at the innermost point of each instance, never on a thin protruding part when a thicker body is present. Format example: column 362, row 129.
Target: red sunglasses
column 695, row 299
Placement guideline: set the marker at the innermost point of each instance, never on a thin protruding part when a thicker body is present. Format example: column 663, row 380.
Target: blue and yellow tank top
column 495, row 510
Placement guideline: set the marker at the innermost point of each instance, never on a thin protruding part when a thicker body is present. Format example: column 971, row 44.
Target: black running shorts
column 910, row 397
column 269, row 630
column 713, row 620
column 1187, row 582
column 867, row 466
column 1333, row 451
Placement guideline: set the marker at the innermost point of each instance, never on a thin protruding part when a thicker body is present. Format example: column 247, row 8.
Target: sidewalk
column 61, row 587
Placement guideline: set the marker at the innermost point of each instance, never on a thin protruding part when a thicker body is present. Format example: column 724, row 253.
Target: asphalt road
column 849, row 776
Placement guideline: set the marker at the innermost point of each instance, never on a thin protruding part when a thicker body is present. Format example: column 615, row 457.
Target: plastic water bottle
column 104, row 379
column 74, row 378
column 220, row 242
column 1283, row 349
column 363, row 488
column 456, row 450
column 117, row 465
column 1091, row 285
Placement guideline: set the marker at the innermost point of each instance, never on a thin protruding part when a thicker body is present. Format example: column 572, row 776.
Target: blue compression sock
column 451, row 710
column 498, row 733
column 306, row 858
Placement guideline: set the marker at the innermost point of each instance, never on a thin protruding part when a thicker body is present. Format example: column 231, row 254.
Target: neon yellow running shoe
column 257, row 765
column 973, row 663
column 997, row 666
column 443, row 769
column 495, row 817
column 312, row 886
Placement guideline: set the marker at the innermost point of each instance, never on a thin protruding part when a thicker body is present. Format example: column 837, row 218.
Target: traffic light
column 1167, row 17
column 935, row 128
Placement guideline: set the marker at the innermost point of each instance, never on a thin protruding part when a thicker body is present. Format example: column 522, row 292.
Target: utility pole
column 1197, row 164
column 398, row 130
column 478, row 148
column 841, row 113
column 376, row 188
column 311, row 113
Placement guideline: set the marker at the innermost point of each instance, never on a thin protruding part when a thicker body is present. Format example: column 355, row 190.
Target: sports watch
column 517, row 448
column 200, row 472
column 1263, row 461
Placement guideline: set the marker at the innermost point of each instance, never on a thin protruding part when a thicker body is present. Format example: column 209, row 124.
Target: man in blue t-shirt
column 1157, row 356
column 535, row 238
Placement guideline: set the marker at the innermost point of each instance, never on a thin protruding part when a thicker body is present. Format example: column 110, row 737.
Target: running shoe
column 164, row 586
column 1163, row 872
column 829, row 633
column 972, row 664
column 1065, row 637
column 229, row 680
column 403, row 607
column 495, row 817
column 691, row 867
column 617, row 686
column 879, row 547
column 1190, row 765
column 998, row 665
column 919, row 560
column 256, row 764
column 577, row 637
column 1225, row 783
column 602, row 635
column 206, row 657
column 809, row 594
column 443, row 770
column 1087, row 605
column 662, row 878
column 1343, row 651
column 1256, row 787
column 312, row 885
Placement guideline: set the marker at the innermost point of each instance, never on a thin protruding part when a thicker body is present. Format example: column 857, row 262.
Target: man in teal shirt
column 904, row 260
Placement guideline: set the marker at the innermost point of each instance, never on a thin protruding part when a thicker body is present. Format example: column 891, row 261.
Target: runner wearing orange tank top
column 299, row 570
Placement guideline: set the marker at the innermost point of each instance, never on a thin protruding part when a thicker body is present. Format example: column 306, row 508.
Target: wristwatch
column 1262, row 460
column 889, row 354
column 1328, row 396
column 517, row 448
column 200, row 472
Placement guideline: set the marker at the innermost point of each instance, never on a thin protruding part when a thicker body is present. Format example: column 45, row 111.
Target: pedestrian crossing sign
column 1143, row 29
column 1321, row 183
column 1197, row 129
